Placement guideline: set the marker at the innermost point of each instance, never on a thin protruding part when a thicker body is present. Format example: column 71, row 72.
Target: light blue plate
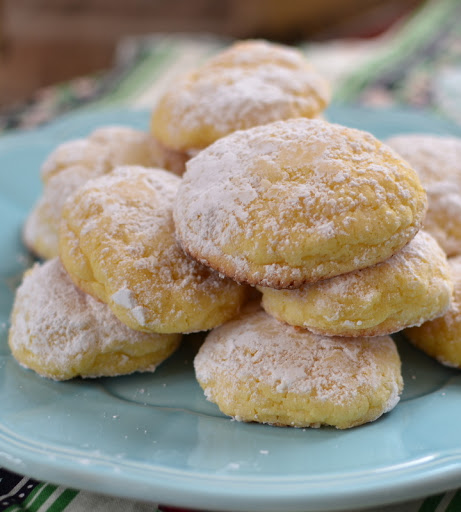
column 155, row 437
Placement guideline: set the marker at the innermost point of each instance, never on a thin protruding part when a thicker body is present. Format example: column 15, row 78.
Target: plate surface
column 155, row 437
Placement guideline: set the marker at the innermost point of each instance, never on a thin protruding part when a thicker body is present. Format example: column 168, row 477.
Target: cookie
column 437, row 160
column 256, row 368
column 297, row 201
column 117, row 242
column 104, row 149
column 60, row 332
column 412, row 286
column 73, row 163
column 441, row 338
column 249, row 84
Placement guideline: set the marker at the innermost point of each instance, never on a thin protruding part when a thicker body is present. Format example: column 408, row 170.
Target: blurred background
column 89, row 46
column 45, row 41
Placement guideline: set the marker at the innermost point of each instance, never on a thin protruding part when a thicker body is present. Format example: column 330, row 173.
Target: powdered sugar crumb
column 124, row 297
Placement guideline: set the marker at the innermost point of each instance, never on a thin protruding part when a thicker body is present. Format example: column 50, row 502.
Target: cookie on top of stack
column 322, row 218
column 249, row 84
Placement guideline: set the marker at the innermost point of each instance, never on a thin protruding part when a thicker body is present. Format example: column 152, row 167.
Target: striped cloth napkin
column 22, row 494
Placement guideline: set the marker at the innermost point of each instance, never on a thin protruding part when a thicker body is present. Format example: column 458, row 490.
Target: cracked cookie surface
column 297, row 201
column 256, row 368
column 117, row 242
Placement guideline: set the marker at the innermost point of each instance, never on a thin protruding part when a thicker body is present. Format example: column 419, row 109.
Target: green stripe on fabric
column 42, row 497
column 14, row 508
column 157, row 59
column 431, row 503
column 416, row 30
column 63, row 500
column 24, row 507
column 455, row 503
column 149, row 67
column 34, row 493
column 427, row 19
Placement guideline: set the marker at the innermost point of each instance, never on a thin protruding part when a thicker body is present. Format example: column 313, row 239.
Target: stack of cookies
column 323, row 220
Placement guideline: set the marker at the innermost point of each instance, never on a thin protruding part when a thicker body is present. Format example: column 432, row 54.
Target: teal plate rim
column 170, row 445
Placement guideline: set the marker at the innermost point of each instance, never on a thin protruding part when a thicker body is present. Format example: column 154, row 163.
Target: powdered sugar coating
column 411, row 287
column 61, row 332
column 117, row 242
column 73, row 163
column 41, row 229
column 296, row 201
column 437, row 160
column 441, row 338
column 329, row 379
column 249, row 84
column 71, row 153
column 105, row 148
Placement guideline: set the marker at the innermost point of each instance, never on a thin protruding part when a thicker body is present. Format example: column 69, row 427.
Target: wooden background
column 46, row 41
